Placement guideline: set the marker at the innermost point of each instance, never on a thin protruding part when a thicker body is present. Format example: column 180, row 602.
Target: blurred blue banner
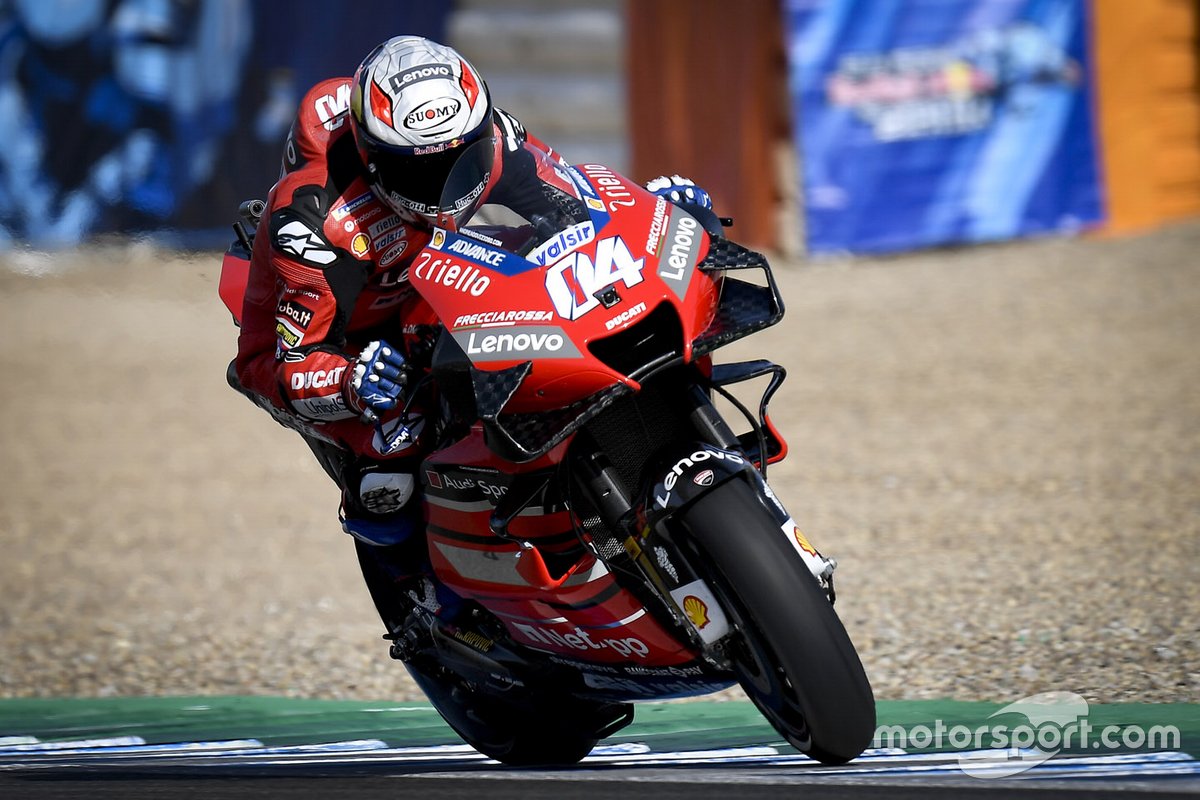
column 160, row 116
column 924, row 122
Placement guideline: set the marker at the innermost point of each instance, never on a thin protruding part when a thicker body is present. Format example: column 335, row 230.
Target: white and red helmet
column 415, row 108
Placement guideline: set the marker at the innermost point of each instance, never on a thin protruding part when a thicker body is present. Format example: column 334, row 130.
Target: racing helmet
column 416, row 106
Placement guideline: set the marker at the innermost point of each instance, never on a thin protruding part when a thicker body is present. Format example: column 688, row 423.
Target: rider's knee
column 382, row 510
column 386, row 493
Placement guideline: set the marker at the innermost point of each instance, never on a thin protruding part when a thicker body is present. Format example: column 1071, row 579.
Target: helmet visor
column 465, row 186
column 450, row 182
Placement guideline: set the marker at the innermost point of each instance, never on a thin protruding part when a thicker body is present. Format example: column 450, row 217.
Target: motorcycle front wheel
column 791, row 654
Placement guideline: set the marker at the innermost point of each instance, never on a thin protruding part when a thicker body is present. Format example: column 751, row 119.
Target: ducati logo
column 704, row 478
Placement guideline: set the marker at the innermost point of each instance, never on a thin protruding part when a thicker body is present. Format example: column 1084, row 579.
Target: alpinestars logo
column 299, row 240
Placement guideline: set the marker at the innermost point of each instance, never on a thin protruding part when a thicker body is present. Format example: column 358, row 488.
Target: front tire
column 790, row 651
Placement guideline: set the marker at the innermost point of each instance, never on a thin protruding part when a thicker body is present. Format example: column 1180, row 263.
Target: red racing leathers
column 329, row 270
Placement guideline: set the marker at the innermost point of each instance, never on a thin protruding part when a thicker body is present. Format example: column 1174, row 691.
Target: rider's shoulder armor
column 324, row 212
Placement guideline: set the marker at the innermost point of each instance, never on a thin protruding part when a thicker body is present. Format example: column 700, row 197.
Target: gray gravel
column 1001, row 446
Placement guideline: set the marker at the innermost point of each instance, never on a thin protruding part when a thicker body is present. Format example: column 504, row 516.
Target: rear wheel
column 790, row 651
column 542, row 728
column 541, row 731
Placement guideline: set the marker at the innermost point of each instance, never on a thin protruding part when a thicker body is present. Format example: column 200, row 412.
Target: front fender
column 681, row 476
column 689, row 472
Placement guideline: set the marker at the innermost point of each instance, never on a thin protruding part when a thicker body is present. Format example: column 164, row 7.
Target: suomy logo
column 431, row 113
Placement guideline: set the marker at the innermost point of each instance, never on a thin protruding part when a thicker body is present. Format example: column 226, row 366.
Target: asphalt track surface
column 159, row 747
column 444, row 778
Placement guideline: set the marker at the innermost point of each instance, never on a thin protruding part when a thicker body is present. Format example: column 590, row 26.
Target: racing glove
column 680, row 190
column 376, row 384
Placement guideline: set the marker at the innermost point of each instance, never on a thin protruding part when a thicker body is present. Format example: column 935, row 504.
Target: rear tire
column 548, row 728
column 790, row 651
column 557, row 731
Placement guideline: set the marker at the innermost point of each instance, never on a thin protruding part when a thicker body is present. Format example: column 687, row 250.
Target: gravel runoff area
column 1001, row 445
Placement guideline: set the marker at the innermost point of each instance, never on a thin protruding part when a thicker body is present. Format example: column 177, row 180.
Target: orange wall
column 1147, row 55
column 708, row 99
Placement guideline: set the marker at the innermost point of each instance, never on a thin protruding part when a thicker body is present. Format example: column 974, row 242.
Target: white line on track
column 24, row 752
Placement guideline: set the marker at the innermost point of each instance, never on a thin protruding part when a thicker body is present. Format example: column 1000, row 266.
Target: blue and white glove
column 377, row 383
column 679, row 190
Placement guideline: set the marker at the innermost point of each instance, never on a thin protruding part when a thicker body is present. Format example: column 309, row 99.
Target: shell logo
column 360, row 244
column 804, row 545
column 696, row 610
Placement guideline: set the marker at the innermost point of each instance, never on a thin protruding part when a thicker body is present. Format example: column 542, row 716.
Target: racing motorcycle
column 614, row 538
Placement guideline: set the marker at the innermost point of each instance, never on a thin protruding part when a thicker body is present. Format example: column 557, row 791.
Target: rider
column 331, row 328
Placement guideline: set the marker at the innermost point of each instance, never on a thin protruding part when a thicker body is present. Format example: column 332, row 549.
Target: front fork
column 636, row 538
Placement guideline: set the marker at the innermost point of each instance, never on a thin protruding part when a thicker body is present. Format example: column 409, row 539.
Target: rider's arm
column 302, row 290
column 532, row 181
column 515, row 137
